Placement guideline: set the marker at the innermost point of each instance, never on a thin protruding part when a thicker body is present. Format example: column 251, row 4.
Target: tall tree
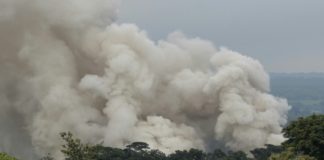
column 75, row 150
column 306, row 136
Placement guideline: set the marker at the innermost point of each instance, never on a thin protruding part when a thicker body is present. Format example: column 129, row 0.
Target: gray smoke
column 66, row 66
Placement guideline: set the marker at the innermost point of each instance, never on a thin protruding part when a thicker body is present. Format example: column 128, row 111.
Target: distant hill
column 304, row 91
column 299, row 75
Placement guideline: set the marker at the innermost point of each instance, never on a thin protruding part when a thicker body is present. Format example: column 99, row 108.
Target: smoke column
column 66, row 66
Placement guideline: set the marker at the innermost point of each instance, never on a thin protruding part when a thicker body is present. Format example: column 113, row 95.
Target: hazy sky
column 285, row 35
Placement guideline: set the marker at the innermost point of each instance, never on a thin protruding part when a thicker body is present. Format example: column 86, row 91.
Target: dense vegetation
column 305, row 141
column 306, row 136
column 4, row 156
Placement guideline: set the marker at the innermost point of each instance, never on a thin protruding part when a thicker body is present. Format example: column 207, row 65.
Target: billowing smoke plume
column 66, row 66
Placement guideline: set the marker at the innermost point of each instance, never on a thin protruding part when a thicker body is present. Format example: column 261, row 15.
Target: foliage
column 237, row 156
column 192, row 154
column 75, row 150
column 138, row 146
column 4, row 156
column 306, row 136
column 290, row 155
column 265, row 153
column 217, row 154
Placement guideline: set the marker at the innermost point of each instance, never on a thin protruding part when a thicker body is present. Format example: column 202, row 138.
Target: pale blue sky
column 285, row 35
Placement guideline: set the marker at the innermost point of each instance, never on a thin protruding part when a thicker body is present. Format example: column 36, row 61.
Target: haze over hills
column 304, row 91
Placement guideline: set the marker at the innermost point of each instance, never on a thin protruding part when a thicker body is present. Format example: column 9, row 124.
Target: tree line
column 305, row 141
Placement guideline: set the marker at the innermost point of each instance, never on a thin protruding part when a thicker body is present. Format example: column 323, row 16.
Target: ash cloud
column 66, row 66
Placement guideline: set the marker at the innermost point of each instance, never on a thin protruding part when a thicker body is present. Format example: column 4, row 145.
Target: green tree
column 237, row 156
column 306, row 136
column 289, row 154
column 4, row 156
column 192, row 154
column 265, row 153
column 157, row 155
column 75, row 150
column 109, row 153
column 217, row 155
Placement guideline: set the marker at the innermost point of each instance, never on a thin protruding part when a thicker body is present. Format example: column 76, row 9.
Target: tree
column 4, row 156
column 192, row 154
column 237, row 156
column 75, row 150
column 289, row 154
column 217, row 155
column 306, row 136
column 157, row 155
column 265, row 153
column 104, row 153
column 138, row 146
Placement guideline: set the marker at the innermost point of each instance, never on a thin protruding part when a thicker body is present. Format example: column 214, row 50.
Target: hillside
column 304, row 91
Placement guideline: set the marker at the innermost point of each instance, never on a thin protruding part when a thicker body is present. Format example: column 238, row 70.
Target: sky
column 285, row 35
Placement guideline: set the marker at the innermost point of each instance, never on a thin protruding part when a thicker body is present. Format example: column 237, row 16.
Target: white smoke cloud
column 65, row 66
